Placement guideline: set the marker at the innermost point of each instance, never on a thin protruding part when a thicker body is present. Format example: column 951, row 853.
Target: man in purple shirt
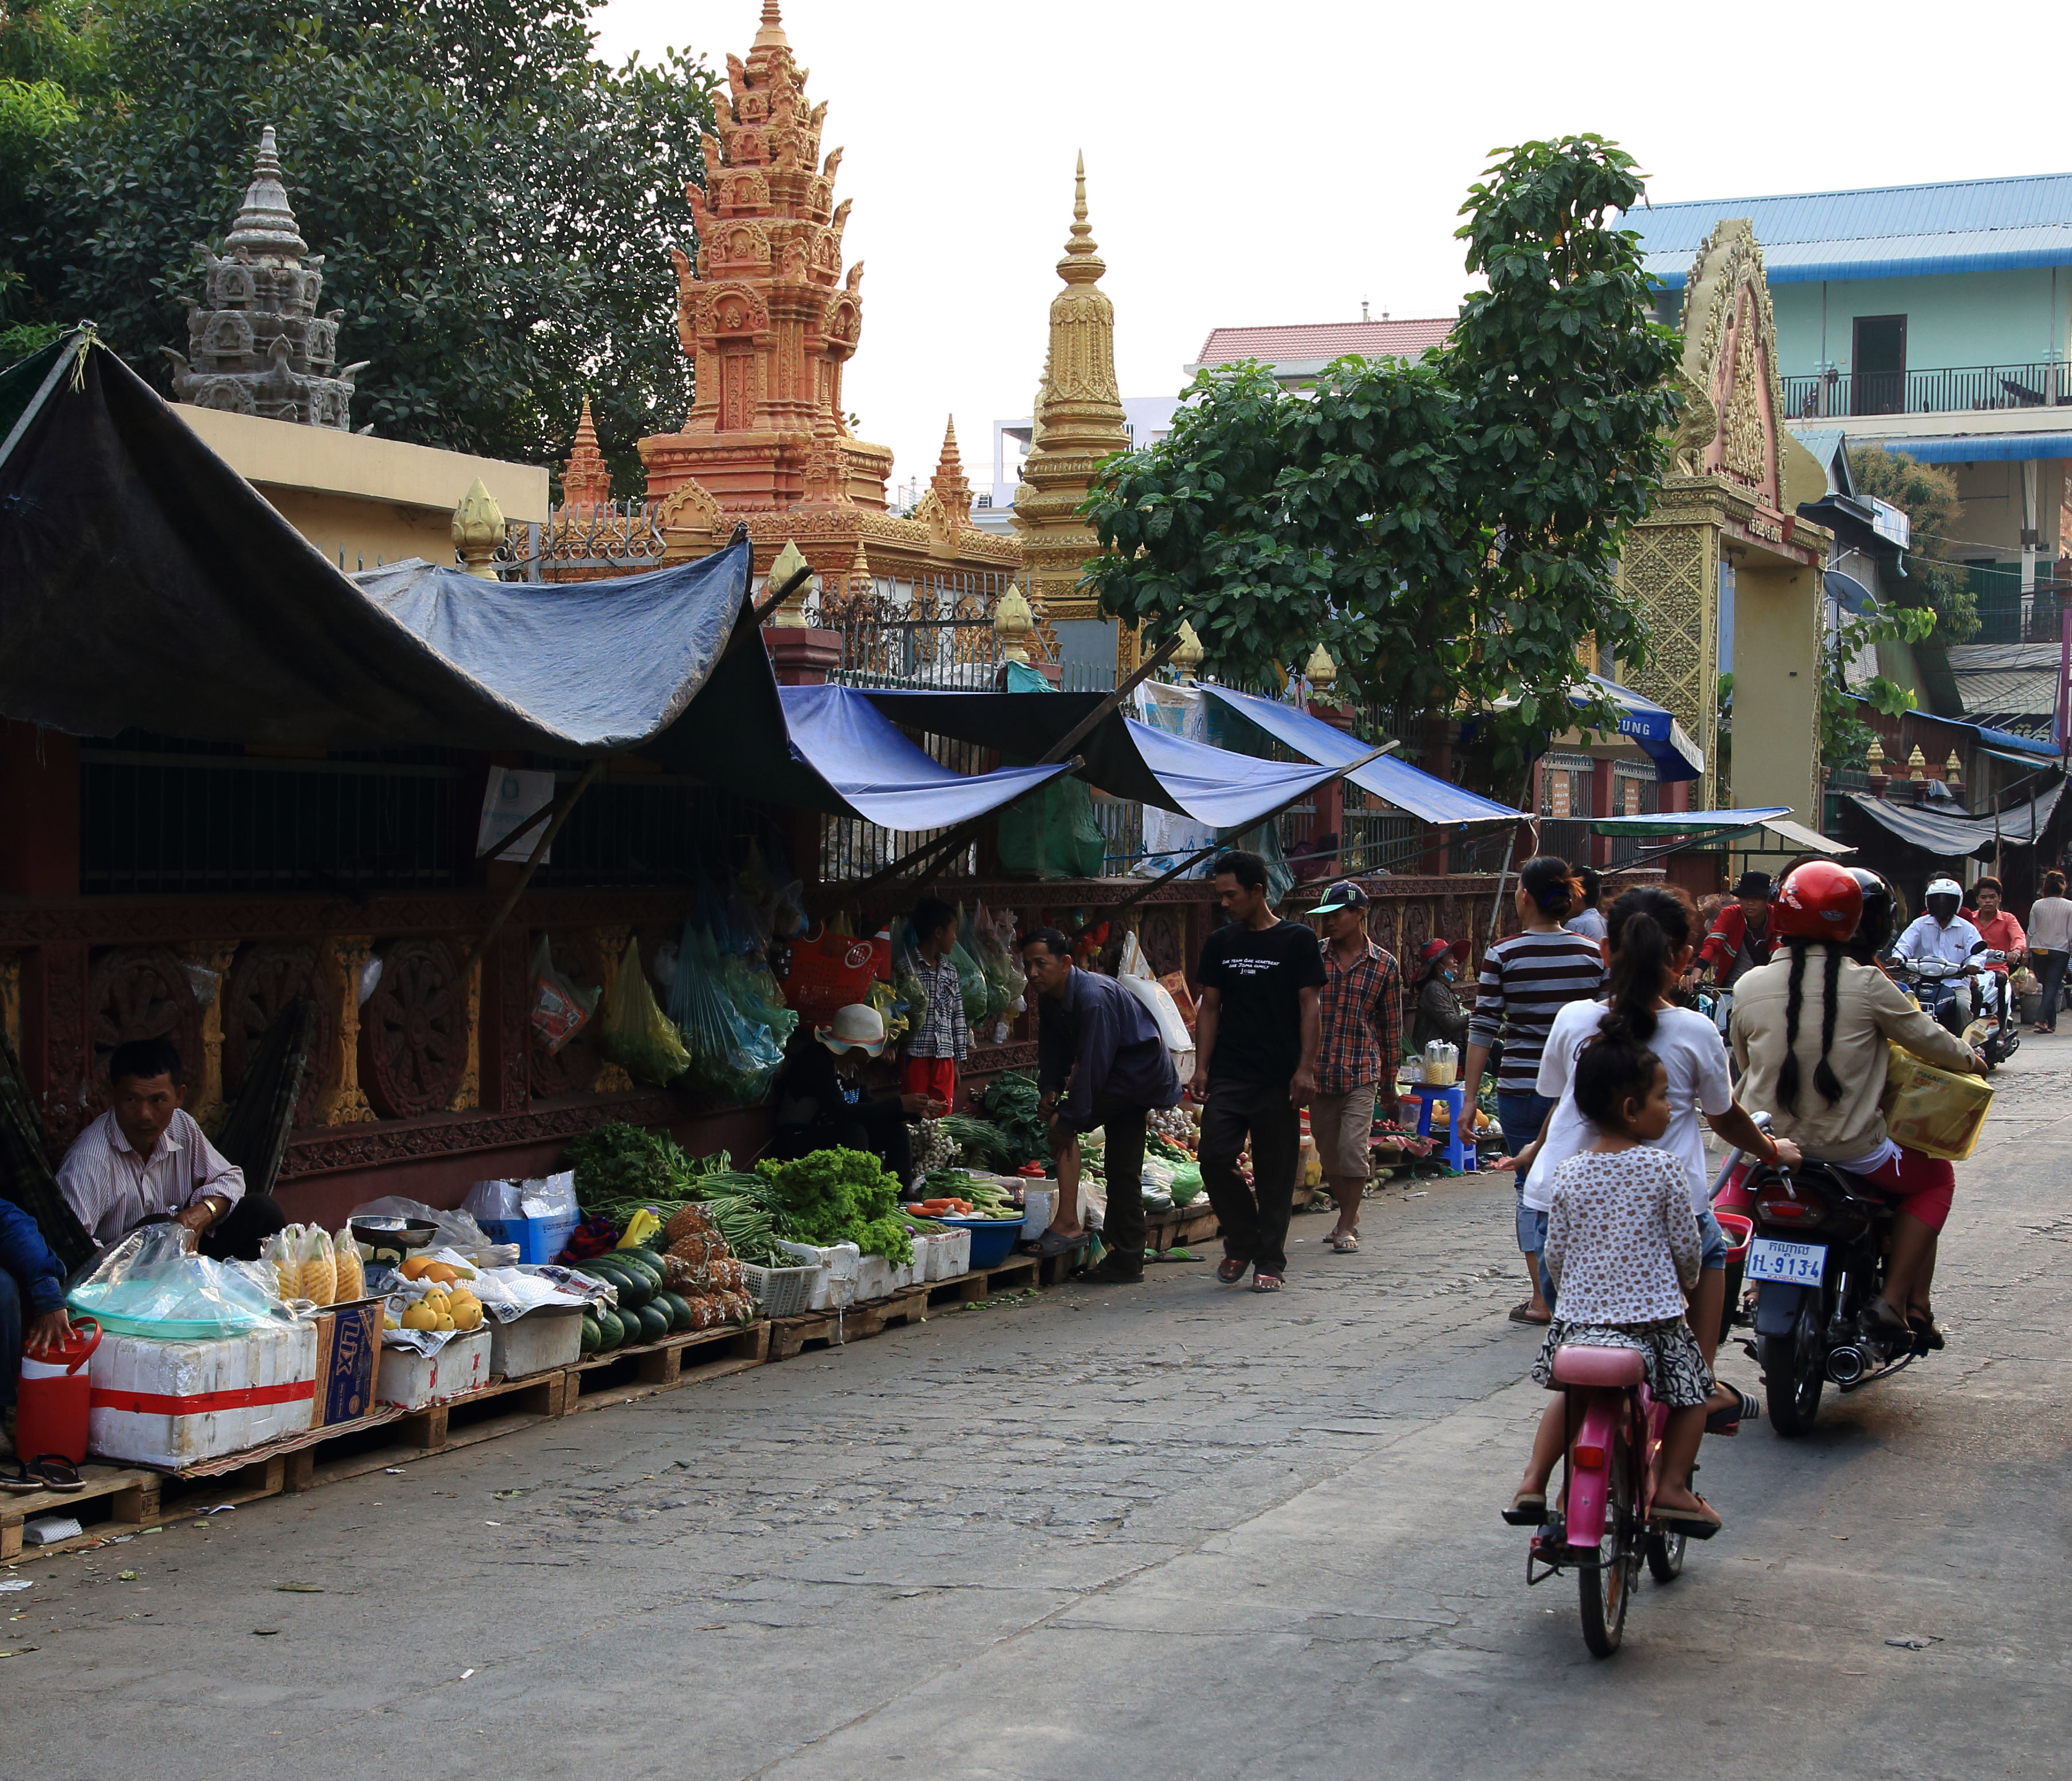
column 1100, row 1061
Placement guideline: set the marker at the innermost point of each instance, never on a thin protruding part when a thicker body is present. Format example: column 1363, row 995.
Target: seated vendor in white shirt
column 145, row 1161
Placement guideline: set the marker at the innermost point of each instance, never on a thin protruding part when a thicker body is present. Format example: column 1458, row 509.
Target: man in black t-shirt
column 1256, row 1033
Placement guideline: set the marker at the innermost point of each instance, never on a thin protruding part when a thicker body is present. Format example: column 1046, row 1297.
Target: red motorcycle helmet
column 1818, row 901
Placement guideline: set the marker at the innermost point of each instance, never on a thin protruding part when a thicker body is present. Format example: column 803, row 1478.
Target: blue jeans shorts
column 1717, row 1243
column 1520, row 1116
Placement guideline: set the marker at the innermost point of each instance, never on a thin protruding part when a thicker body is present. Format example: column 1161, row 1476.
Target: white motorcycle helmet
column 1943, row 888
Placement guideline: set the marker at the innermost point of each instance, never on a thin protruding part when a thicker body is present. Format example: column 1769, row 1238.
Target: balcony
column 1960, row 389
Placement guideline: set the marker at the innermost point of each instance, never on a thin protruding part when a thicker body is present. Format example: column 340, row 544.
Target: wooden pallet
column 1194, row 1222
column 503, row 1407
column 117, row 1499
column 629, row 1373
column 792, row 1336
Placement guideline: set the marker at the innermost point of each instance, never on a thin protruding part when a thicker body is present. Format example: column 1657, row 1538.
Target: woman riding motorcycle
column 1819, row 1073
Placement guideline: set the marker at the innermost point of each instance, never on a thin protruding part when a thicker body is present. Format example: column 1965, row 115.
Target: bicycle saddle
column 1577, row 1365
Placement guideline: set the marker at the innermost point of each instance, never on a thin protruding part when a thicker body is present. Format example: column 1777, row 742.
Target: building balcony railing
column 1948, row 390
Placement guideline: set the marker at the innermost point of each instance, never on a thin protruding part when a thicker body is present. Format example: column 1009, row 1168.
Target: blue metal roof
column 1980, row 448
column 1887, row 231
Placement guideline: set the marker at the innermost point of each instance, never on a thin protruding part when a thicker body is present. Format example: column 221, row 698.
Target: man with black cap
column 1740, row 940
column 1360, row 1013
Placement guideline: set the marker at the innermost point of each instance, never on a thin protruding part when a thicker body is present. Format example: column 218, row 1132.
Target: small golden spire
column 1917, row 765
column 1953, row 769
column 1012, row 623
column 1187, row 658
column 1321, row 672
column 772, row 33
column 792, row 615
column 1081, row 264
column 477, row 529
column 1874, row 755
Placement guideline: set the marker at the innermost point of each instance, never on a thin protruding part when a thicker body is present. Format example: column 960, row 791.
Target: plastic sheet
column 727, row 1052
column 148, row 1284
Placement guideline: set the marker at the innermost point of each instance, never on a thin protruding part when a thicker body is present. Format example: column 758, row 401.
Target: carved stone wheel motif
column 572, row 1070
column 414, row 1030
column 1163, row 938
column 141, row 992
column 1416, row 930
column 262, row 982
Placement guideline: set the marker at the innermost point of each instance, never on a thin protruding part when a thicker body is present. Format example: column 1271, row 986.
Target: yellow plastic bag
column 1935, row 1112
column 638, row 1035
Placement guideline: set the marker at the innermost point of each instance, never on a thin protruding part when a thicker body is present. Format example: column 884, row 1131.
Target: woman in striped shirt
column 1526, row 981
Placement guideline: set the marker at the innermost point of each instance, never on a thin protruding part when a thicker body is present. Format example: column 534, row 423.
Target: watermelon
column 593, row 1333
column 612, row 1330
column 654, row 1321
column 680, row 1311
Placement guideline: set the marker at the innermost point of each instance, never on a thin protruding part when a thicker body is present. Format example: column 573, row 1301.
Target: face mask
column 1446, row 975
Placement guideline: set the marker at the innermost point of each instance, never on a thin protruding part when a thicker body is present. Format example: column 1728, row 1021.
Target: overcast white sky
column 1252, row 163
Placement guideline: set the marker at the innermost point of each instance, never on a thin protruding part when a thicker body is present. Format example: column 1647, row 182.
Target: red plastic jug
column 49, row 1410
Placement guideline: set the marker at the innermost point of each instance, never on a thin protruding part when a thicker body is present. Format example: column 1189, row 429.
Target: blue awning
column 883, row 777
column 1655, row 728
column 1979, row 448
column 1124, row 758
column 1409, row 788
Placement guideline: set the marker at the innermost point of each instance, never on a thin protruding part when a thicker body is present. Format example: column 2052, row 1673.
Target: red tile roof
column 1405, row 340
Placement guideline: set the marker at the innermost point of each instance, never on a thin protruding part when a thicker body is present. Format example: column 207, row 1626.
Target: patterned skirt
column 1670, row 1356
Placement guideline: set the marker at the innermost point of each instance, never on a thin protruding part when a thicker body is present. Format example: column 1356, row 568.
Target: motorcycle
column 1934, row 983
column 1818, row 1261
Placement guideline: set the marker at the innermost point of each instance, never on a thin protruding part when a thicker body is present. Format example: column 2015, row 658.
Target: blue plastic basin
column 993, row 1239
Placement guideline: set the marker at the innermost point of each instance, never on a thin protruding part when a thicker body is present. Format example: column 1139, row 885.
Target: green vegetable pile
column 982, row 1141
column 840, row 1196
column 1010, row 1103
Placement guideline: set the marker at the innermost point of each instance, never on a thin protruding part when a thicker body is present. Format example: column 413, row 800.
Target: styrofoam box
column 173, row 1403
column 543, row 1339
column 875, row 1277
column 949, row 1255
column 835, row 1284
column 416, row 1380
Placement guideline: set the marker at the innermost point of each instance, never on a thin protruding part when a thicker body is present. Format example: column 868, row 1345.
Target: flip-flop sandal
column 1728, row 1419
column 1688, row 1523
column 1266, row 1283
column 12, row 1478
column 57, row 1473
column 1346, row 1243
column 1052, row 1243
column 1521, row 1313
column 1230, row 1270
column 1528, row 1509
column 1927, row 1332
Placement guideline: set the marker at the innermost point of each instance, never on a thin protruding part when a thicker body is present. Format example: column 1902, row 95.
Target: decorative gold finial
column 792, row 615
column 1321, row 672
column 478, row 530
column 1874, row 755
column 1187, row 658
column 1012, row 623
column 1953, row 769
column 1917, row 765
column 1081, row 264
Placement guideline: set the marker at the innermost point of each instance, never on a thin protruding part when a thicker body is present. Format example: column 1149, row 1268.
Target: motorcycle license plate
column 1792, row 1264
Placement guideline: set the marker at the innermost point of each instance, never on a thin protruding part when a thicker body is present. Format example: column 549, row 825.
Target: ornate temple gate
column 1724, row 536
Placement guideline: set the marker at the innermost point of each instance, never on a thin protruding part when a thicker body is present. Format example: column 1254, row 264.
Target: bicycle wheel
column 1665, row 1556
column 1603, row 1587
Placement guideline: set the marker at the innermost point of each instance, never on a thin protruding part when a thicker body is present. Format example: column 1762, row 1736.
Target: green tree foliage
column 53, row 55
column 1845, row 737
column 1443, row 528
column 494, row 204
column 1927, row 495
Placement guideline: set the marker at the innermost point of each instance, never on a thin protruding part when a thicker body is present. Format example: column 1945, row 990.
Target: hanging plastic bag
column 726, row 1053
column 753, row 989
column 971, row 978
column 1134, row 974
column 1004, row 980
column 560, row 1009
column 637, row 1034
column 148, row 1284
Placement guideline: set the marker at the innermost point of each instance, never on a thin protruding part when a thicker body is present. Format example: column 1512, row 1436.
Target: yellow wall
column 375, row 500
column 1776, row 689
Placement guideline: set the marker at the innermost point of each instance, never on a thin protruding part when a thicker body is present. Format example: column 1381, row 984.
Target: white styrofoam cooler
column 416, row 1380
column 545, row 1338
column 834, row 1284
column 173, row 1403
column 948, row 1255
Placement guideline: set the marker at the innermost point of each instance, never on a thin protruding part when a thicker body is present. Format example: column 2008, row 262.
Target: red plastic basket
column 1738, row 1230
column 827, row 973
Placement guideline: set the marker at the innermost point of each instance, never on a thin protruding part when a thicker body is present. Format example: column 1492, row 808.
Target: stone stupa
column 256, row 345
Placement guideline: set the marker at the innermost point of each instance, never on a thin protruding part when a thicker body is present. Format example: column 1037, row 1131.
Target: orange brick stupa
column 770, row 318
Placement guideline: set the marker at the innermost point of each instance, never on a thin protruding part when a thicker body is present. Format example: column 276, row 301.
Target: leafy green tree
column 53, row 55
column 1927, row 495
column 1845, row 737
column 1447, row 527
column 494, row 204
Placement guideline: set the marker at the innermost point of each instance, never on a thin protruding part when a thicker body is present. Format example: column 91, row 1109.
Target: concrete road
column 1168, row 1532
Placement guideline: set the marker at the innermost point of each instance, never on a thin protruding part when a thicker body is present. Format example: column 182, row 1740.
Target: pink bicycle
column 1601, row 1532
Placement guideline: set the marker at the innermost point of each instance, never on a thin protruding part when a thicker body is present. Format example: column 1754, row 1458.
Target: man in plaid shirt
column 938, row 1039
column 1361, row 1005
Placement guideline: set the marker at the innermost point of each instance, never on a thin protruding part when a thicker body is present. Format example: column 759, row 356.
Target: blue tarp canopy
column 1123, row 757
column 879, row 774
column 1408, row 788
column 1676, row 756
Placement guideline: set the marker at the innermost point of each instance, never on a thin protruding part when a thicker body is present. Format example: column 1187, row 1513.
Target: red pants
column 1925, row 1185
column 934, row 1077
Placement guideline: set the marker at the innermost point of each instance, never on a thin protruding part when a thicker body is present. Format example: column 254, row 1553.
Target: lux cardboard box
column 348, row 1351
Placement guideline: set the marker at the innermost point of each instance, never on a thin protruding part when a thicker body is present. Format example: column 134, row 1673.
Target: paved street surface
column 1175, row 1531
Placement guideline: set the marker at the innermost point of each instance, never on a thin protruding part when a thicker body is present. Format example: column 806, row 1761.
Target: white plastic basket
column 781, row 1292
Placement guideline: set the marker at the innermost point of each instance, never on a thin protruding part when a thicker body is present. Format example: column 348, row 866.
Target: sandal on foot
column 1521, row 1313
column 1528, row 1509
column 1266, row 1283
column 1699, row 1524
column 56, row 1472
column 1230, row 1270
column 1927, row 1332
column 1057, row 1242
column 1728, row 1419
column 1345, row 1243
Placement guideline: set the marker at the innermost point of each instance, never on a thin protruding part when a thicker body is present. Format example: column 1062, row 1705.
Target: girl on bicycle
column 1622, row 1249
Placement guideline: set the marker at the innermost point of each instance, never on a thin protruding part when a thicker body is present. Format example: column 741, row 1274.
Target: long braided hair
column 1824, row 1078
